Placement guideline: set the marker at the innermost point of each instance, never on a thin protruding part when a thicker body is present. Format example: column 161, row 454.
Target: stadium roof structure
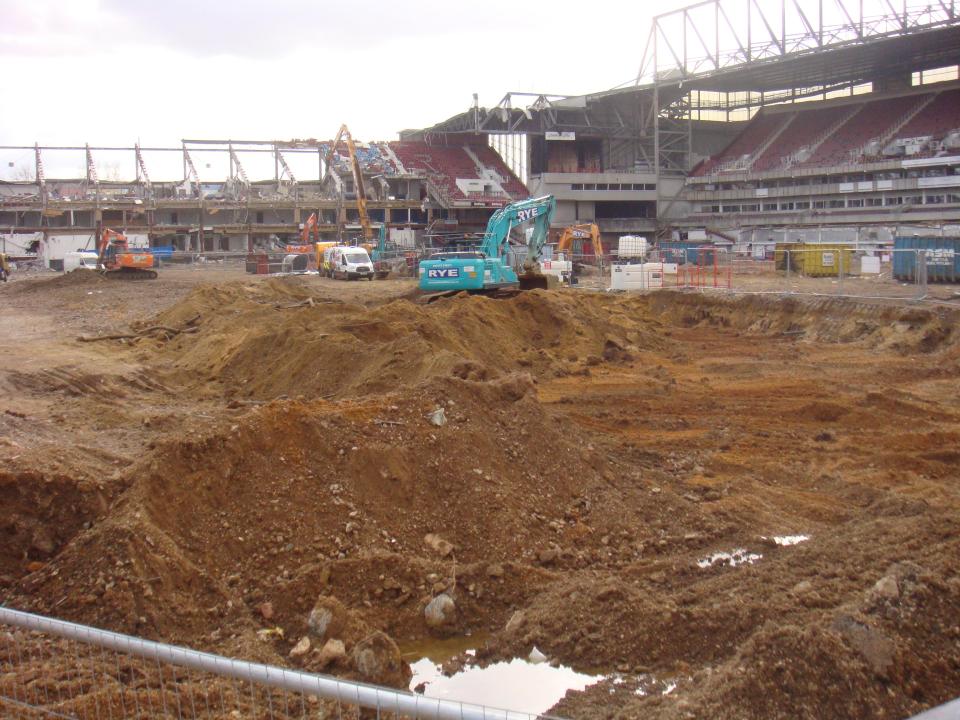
column 785, row 51
column 799, row 46
column 733, row 54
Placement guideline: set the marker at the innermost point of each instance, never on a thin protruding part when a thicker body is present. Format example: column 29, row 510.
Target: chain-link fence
column 55, row 669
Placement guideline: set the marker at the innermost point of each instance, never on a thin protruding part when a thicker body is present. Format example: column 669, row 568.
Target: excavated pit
column 558, row 463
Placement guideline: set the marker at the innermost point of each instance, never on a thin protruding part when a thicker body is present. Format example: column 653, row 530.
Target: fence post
column 921, row 265
column 840, row 259
column 788, row 260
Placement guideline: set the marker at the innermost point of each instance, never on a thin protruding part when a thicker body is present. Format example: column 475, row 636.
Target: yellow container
column 813, row 259
column 320, row 247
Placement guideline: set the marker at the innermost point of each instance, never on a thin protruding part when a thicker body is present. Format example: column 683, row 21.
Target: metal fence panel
column 828, row 270
column 56, row 669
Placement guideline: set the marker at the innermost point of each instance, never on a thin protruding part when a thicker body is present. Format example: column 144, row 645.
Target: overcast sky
column 112, row 71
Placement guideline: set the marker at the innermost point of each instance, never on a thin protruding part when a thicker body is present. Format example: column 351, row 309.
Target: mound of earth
column 376, row 500
column 830, row 320
column 75, row 279
column 279, row 339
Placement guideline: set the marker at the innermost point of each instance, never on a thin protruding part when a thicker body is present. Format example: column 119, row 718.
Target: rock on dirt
column 377, row 659
column 442, row 547
column 332, row 651
column 330, row 618
column 441, row 611
column 301, row 648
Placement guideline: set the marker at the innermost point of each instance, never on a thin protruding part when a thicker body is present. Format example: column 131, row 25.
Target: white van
column 80, row 259
column 347, row 263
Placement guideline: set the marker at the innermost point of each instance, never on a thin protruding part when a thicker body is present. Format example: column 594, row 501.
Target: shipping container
column 941, row 255
column 813, row 259
column 688, row 251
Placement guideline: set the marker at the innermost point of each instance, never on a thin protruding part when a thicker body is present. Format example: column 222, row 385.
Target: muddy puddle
column 530, row 685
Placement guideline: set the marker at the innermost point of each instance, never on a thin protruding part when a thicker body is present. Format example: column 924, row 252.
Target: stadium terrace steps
column 868, row 122
column 936, row 119
column 835, row 135
column 444, row 164
column 760, row 128
column 811, row 130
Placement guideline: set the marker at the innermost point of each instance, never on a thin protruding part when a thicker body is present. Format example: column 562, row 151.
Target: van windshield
column 356, row 257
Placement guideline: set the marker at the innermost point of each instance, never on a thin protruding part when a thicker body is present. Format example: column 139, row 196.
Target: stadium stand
column 760, row 129
column 491, row 159
column 371, row 156
column 835, row 134
column 936, row 119
column 868, row 123
column 445, row 164
column 805, row 132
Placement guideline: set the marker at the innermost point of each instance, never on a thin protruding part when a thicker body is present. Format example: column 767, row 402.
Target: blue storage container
column 942, row 258
column 686, row 251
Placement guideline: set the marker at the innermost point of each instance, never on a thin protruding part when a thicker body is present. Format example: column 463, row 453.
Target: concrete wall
column 670, row 205
column 18, row 243
column 566, row 213
column 56, row 246
column 238, row 243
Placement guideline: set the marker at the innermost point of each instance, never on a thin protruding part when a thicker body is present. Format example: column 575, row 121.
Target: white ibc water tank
column 632, row 246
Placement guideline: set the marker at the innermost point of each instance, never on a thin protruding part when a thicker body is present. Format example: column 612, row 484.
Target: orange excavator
column 310, row 228
column 116, row 260
column 576, row 234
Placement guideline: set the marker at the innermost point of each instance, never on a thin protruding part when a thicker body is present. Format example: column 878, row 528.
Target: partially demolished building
column 408, row 185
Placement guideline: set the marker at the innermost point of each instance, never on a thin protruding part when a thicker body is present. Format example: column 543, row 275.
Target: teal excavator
column 487, row 270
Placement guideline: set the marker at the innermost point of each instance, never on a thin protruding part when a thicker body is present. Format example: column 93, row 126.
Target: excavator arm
column 538, row 210
column 310, row 228
column 344, row 134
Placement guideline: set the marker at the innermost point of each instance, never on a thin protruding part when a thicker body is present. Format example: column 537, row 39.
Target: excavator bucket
column 538, row 281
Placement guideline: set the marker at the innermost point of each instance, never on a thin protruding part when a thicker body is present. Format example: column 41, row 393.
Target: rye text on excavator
column 575, row 238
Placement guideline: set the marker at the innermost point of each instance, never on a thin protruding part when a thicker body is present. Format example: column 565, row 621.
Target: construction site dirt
column 724, row 507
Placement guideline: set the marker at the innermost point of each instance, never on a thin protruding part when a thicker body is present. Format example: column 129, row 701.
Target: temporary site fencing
column 51, row 668
column 828, row 270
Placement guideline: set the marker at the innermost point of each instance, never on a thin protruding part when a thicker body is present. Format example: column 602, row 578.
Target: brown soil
column 594, row 448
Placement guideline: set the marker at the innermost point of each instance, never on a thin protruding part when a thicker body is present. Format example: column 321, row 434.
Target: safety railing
column 51, row 668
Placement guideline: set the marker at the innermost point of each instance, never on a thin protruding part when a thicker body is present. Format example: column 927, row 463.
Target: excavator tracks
column 128, row 274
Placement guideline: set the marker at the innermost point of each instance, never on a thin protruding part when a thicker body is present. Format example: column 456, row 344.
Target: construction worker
column 4, row 267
